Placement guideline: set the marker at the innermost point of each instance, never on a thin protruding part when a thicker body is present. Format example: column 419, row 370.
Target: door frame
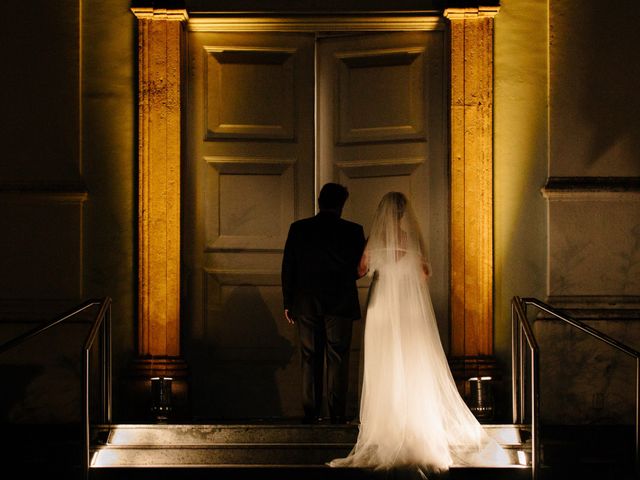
column 161, row 52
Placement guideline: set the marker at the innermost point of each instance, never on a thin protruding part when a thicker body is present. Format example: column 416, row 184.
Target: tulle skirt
column 411, row 412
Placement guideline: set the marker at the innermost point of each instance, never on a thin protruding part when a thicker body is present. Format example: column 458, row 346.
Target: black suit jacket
column 320, row 266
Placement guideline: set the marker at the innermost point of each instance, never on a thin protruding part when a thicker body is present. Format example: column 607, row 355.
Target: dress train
column 411, row 413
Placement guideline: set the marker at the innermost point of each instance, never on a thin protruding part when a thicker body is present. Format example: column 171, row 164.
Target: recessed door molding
column 161, row 48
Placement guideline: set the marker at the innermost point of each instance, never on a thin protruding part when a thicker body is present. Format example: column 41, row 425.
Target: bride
column 411, row 413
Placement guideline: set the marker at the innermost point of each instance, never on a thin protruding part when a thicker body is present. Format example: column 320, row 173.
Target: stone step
column 220, row 455
column 188, row 434
column 228, row 454
column 215, row 446
column 304, row 473
column 217, row 434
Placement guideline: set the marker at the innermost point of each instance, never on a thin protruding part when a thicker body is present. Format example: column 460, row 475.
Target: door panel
column 248, row 175
column 250, row 92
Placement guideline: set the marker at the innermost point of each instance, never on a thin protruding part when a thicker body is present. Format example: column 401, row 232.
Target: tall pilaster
column 160, row 43
column 471, row 43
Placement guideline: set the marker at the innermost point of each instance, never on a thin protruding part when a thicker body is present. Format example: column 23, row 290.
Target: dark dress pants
column 317, row 335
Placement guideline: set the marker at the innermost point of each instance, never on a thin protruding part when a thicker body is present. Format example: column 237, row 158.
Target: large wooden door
column 270, row 118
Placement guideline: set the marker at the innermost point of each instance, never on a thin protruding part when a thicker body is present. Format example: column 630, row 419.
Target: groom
column 319, row 273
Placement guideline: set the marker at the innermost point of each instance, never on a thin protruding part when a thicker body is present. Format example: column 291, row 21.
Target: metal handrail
column 519, row 307
column 101, row 325
column 42, row 328
column 521, row 331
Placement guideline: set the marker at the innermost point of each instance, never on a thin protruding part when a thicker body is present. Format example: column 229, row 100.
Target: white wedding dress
column 411, row 413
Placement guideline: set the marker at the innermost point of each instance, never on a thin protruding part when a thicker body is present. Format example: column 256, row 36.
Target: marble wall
column 583, row 380
column 593, row 202
column 567, row 194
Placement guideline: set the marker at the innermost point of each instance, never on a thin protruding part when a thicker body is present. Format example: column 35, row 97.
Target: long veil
column 410, row 411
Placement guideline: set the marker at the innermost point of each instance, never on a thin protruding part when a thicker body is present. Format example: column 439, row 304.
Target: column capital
column 150, row 13
column 470, row 12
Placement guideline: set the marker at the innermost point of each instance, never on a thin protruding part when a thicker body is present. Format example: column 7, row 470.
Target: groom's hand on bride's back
column 288, row 316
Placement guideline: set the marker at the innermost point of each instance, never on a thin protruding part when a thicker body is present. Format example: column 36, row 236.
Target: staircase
column 261, row 451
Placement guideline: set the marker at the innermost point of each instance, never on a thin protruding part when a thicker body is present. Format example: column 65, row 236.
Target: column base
column 485, row 403
column 138, row 394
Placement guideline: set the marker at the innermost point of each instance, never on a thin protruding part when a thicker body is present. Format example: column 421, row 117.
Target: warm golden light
column 160, row 35
column 505, row 434
column 105, row 458
column 522, row 458
column 471, row 132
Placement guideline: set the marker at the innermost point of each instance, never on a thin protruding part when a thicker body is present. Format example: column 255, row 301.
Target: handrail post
column 522, row 366
column 522, row 332
column 109, row 399
column 102, row 371
column 102, row 326
column 637, row 455
column 535, row 415
column 515, row 375
column 85, row 414
column 105, row 354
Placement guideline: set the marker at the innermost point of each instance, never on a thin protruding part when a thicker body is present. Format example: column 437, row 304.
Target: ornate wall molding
column 471, row 114
column 312, row 24
column 597, row 307
column 37, row 193
column 592, row 188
